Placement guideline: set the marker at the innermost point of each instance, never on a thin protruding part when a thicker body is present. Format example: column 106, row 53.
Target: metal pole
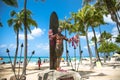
column 7, row 50
column 75, row 57
column 66, row 49
column 20, row 59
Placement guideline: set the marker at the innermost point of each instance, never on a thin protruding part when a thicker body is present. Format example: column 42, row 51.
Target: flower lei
column 75, row 41
column 50, row 33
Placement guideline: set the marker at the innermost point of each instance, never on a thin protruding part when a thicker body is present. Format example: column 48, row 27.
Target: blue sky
column 38, row 39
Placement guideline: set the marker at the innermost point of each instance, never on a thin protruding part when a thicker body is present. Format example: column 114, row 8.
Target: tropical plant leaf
column 11, row 2
column 10, row 22
column 1, row 24
column 12, row 13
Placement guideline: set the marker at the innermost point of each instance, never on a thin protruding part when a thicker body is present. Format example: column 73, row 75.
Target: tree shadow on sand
column 87, row 74
column 84, row 73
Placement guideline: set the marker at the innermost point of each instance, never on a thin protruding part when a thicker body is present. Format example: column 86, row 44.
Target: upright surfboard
column 54, row 24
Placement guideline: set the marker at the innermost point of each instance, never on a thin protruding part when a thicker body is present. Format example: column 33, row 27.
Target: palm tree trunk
column 16, row 52
column 118, row 28
column 117, row 22
column 96, row 51
column 80, row 51
column 25, row 36
column 89, row 50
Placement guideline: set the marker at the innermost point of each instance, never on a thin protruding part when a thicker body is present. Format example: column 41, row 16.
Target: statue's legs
column 59, row 52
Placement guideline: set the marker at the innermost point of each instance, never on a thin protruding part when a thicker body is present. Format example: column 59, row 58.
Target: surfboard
column 54, row 24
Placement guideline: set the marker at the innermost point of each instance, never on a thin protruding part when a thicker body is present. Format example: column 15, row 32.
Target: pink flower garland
column 50, row 33
column 75, row 40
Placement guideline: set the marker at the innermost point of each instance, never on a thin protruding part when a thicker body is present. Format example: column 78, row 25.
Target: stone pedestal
column 14, row 78
column 58, row 75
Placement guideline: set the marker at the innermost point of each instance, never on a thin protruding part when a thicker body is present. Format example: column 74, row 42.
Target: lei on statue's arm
column 51, row 36
column 50, row 33
column 75, row 41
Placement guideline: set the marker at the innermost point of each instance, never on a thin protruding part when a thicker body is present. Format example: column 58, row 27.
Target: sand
column 109, row 71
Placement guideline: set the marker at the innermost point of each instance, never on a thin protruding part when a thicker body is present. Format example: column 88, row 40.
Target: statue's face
column 59, row 30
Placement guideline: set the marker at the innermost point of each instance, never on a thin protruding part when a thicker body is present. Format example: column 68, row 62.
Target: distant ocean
column 33, row 59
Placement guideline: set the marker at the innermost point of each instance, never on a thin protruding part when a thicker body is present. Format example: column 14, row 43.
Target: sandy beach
column 109, row 71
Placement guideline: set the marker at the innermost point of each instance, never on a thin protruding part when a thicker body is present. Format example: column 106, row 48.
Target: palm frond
column 1, row 24
column 12, row 13
column 31, row 22
column 10, row 22
column 11, row 2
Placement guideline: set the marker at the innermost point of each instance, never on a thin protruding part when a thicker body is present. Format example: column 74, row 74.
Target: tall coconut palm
column 104, row 37
column 83, row 17
column 16, row 22
column 107, row 47
column 25, row 37
column 112, row 7
column 96, row 20
column 27, row 21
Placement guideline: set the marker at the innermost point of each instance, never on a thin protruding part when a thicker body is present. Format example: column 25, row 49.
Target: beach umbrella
column 62, row 59
column 116, row 55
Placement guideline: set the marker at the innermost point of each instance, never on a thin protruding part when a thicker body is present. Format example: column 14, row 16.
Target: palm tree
column 107, row 47
column 25, row 37
column 16, row 22
column 112, row 7
column 95, row 21
column 104, row 37
column 27, row 21
column 83, row 17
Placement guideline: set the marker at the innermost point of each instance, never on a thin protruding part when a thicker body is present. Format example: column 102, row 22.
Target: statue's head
column 59, row 29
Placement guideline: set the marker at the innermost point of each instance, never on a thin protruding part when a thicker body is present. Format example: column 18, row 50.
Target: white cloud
column 85, row 47
column 108, row 19
column 10, row 46
column 3, row 46
column 90, row 35
column 43, row 46
column 36, row 32
column 115, row 31
column 82, row 37
column 21, row 37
